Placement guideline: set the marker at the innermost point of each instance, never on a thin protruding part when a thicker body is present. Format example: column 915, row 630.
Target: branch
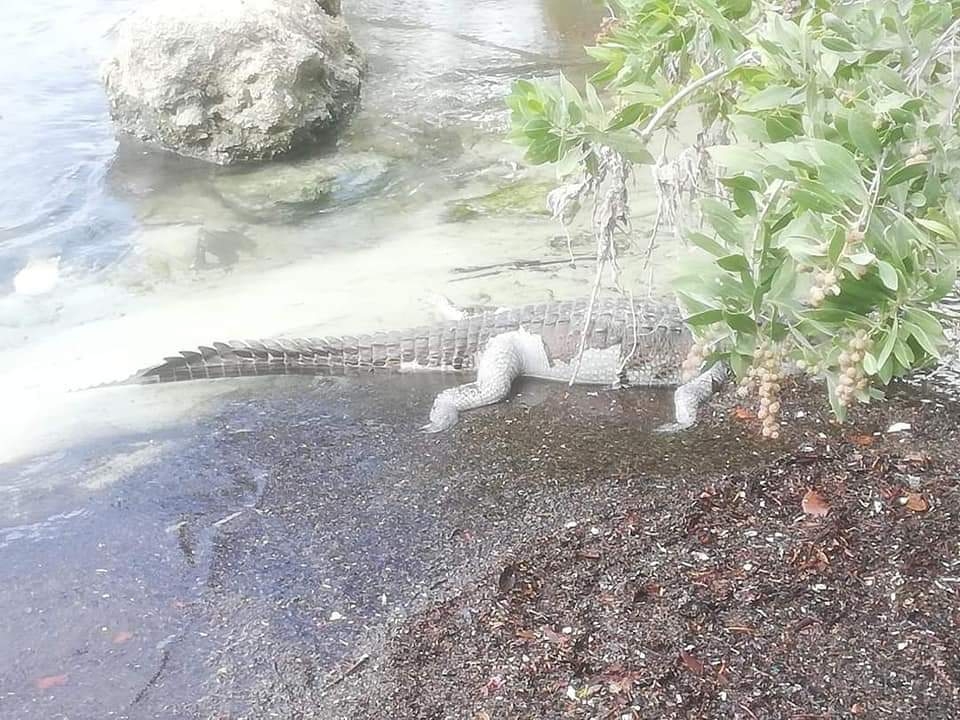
column 758, row 232
column 748, row 57
column 864, row 218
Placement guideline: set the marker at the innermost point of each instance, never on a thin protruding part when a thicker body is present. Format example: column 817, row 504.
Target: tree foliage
column 832, row 226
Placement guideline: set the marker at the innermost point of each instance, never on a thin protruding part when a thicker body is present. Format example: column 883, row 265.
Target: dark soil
column 825, row 584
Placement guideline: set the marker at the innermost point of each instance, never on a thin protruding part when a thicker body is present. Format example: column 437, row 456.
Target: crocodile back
column 653, row 330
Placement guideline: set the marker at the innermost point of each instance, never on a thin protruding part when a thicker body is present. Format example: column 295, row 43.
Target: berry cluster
column 824, row 283
column 765, row 377
column 694, row 361
column 852, row 377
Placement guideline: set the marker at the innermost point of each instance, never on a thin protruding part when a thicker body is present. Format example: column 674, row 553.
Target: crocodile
column 629, row 344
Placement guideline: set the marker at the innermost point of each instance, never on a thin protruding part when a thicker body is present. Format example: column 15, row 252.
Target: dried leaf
column 650, row 591
column 693, row 663
column 525, row 634
column 814, row 503
column 862, row 440
column 742, row 413
column 121, row 637
column 492, row 685
column 553, row 636
column 917, row 502
column 50, row 681
column 857, row 709
column 507, row 579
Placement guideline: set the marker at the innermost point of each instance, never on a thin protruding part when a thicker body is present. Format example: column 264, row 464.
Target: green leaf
column 707, row 317
column 568, row 91
column 888, row 274
column 840, row 411
column 748, row 127
column 908, row 172
column 839, row 170
column 772, row 97
column 923, row 319
column 628, row 116
column 744, row 182
column 863, row 134
column 902, row 351
column 781, row 127
column 734, row 263
column 736, row 158
column 892, row 101
column 837, row 245
column 705, row 242
column 784, row 279
column 741, row 322
column 594, row 104
column 870, row 365
column 570, row 161
column 885, row 373
column 943, row 283
column 889, row 343
column 923, row 340
column 814, row 195
column 629, row 146
column 745, row 201
column 727, row 225
column 937, row 227
column 839, row 45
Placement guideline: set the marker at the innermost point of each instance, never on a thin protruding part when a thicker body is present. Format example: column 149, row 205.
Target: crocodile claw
column 433, row 428
column 672, row 428
column 443, row 416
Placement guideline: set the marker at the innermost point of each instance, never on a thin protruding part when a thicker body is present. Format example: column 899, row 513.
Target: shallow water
column 100, row 271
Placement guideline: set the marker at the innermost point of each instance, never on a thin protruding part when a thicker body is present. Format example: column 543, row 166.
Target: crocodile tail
column 300, row 356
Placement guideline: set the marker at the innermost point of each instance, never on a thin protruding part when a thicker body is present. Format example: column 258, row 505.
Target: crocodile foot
column 672, row 428
column 443, row 416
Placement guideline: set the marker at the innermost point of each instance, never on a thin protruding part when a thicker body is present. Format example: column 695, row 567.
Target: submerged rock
column 521, row 197
column 281, row 191
column 232, row 81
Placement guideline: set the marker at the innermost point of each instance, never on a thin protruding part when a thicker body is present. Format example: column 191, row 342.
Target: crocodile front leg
column 501, row 362
column 688, row 398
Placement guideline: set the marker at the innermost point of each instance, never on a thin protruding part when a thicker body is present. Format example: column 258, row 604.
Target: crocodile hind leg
column 500, row 363
column 689, row 397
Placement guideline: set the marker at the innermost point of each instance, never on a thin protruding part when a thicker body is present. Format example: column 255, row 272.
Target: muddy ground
column 300, row 551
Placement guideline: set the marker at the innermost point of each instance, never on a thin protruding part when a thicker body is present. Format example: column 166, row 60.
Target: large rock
column 229, row 80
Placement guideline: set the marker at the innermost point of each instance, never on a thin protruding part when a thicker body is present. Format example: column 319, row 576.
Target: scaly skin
column 630, row 344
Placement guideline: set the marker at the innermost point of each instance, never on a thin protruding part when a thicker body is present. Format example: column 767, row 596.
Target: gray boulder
column 233, row 80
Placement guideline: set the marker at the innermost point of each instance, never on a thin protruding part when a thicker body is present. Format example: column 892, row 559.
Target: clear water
column 99, row 267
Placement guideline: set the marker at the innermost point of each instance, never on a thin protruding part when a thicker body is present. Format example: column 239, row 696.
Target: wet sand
column 200, row 571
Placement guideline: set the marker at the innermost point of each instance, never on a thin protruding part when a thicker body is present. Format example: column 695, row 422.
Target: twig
column 612, row 212
column 758, row 238
column 653, row 239
column 588, row 320
column 917, row 68
column 745, row 58
column 775, row 189
column 514, row 265
column 360, row 662
column 659, row 217
column 636, row 334
column 864, row 220
column 164, row 658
